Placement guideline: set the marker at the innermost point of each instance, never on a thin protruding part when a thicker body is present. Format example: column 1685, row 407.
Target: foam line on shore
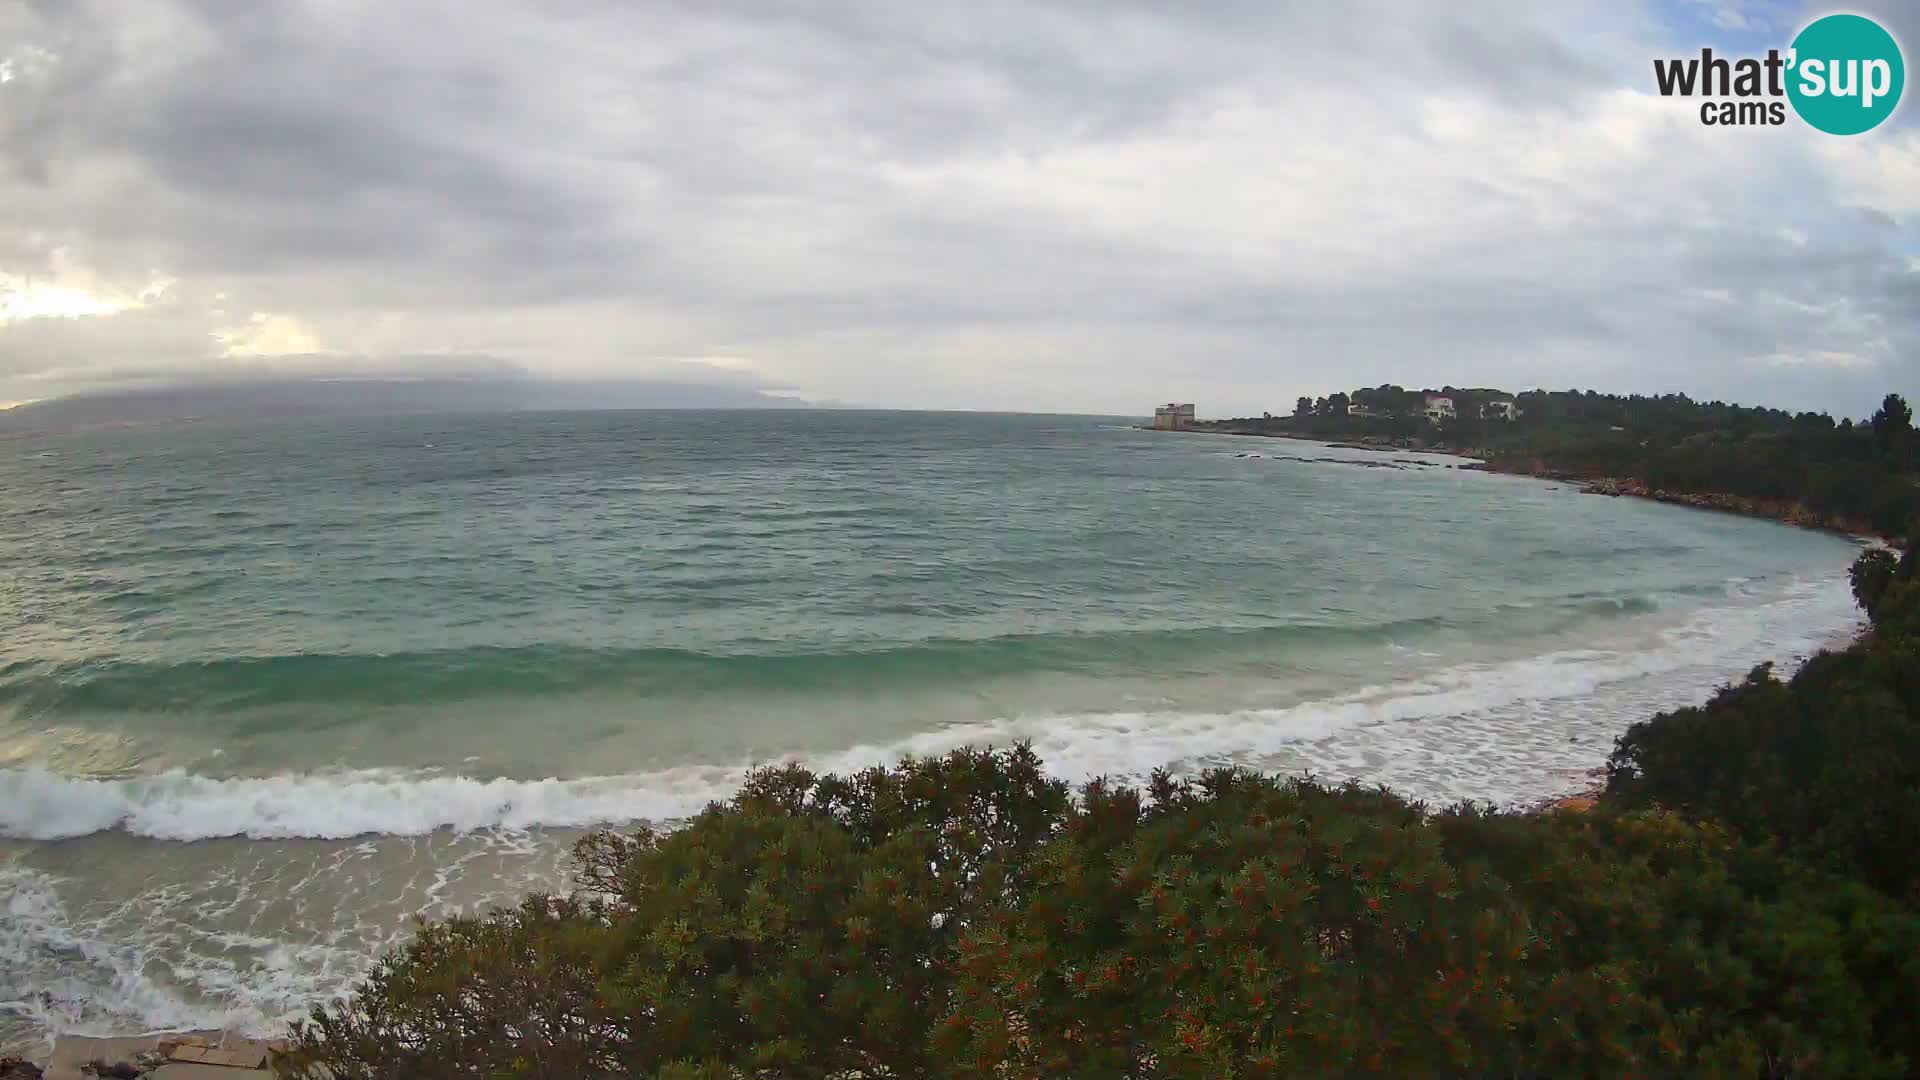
column 179, row 806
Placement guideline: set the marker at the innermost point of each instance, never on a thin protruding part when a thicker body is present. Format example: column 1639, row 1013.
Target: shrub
column 1242, row 927
column 801, row 931
column 805, row 929
column 962, row 917
column 1758, row 966
column 1894, row 592
column 1826, row 765
column 509, row 994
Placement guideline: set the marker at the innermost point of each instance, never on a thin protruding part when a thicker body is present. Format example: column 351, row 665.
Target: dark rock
column 119, row 1070
column 14, row 1068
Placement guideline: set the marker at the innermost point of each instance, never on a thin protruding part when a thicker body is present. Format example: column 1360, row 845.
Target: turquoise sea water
column 267, row 690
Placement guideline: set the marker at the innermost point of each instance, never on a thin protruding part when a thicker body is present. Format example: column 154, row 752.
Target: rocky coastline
column 1787, row 511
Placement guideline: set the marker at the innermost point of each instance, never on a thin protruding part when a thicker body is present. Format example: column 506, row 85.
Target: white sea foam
column 179, row 806
column 1484, row 731
column 62, row 976
column 259, row 935
column 273, row 927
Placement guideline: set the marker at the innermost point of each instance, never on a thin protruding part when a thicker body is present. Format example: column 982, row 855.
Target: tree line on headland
column 1741, row 901
column 1803, row 466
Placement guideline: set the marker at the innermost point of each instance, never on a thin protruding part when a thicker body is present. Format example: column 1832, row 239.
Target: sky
column 1082, row 206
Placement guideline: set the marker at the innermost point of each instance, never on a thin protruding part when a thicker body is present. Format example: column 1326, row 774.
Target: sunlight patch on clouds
column 27, row 63
column 68, row 293
column 22, row 299
column 268, row 334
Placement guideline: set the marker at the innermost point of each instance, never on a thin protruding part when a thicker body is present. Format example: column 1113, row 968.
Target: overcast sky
column 1066, row 206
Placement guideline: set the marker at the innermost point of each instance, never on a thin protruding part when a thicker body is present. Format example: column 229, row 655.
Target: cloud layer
column 1072, row 205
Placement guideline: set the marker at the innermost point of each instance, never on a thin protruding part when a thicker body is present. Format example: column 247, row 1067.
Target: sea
column 270, row 690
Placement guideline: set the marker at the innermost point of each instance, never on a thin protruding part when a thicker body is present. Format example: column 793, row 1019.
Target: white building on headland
column 1439, row 407
column 1501, row 410
column 1172, row 417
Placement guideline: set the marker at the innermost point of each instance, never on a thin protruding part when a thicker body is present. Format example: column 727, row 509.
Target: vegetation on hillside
column 1864, row 474
column 1742, row 903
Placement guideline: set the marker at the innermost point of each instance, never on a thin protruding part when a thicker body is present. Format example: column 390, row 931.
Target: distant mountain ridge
column 366, row 396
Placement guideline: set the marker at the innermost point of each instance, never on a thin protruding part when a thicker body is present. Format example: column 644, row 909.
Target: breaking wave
column 1519, row 707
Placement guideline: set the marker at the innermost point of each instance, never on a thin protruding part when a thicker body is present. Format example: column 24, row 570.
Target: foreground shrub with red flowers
column 1238, row 926
column 963, row 917
column 1242, row 927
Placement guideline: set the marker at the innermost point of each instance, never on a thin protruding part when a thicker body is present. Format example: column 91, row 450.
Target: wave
column 453, row 675
column 485, row 671
column 176, row 805
column 1508, row 709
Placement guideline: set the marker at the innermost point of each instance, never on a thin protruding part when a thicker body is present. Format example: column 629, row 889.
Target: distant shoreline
column 1785, row 511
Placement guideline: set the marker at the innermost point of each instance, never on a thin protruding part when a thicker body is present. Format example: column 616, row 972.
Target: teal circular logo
column 1845, row 74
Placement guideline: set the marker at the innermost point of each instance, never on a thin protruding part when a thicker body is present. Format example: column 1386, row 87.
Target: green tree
column 1893, row 433
column 1870, row 575
column 1893, row 420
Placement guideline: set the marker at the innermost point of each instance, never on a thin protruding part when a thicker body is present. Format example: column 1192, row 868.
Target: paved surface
column 187, row 1070
column 200, row 1055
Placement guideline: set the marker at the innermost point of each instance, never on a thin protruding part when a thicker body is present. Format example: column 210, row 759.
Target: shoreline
column 1786, row 512
column 1576, row 792
column 1580, row 795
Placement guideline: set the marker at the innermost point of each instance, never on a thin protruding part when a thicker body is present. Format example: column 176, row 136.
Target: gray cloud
column 1070, row 205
